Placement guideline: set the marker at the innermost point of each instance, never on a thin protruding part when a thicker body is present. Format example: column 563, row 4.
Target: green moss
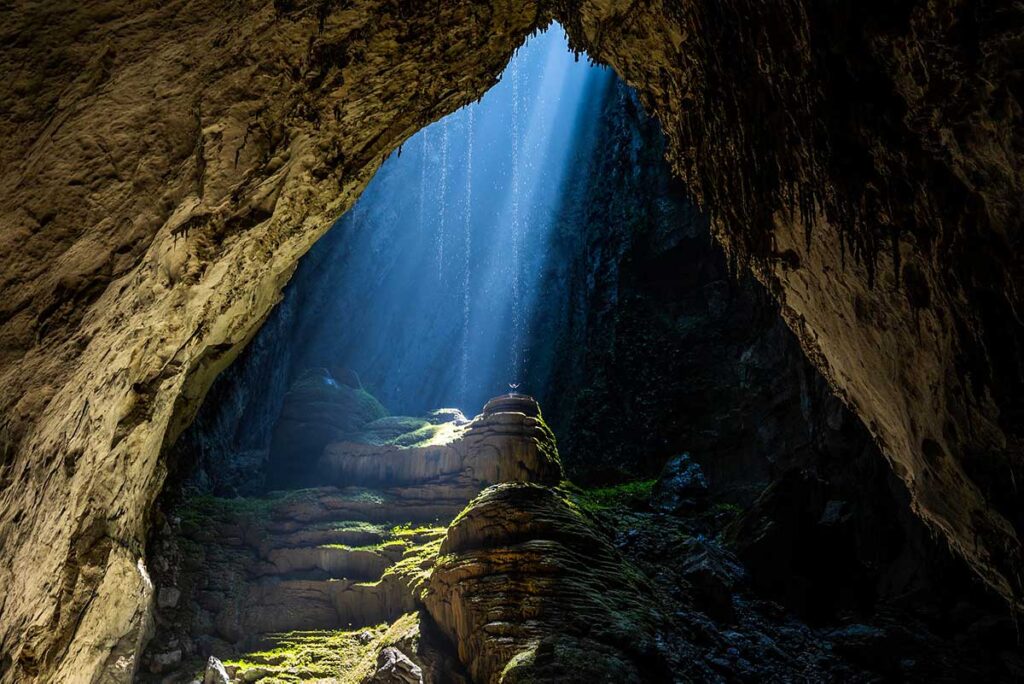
column 417, row 562
column 624, row 495
column 419, row 437
column 199, row 511
column 730, row 509
column 383, row 545
column 344, row 655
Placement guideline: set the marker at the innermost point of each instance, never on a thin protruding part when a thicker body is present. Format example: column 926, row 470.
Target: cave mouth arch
column 183, row 265
column 662, row 265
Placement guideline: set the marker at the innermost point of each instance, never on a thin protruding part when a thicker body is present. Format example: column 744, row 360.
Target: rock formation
column 508, row 442
column 531, row 593
column 165, row 166
column 352, row 555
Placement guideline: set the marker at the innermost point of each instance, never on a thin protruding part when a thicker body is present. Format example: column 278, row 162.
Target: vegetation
column 633, row 494
column 416, row 564
column 347, row 655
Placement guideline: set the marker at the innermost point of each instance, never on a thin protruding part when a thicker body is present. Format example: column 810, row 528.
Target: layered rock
column 337, row 557
column 508, row 442
column 528, row 591
column 318, row 409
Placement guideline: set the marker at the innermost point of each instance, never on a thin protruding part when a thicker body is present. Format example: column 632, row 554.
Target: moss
column 729, row 509
column 418, row 437
column 414, row 567
column 388, row 429
column 345, row 655
column 625, row 495
column 199, row 511
column 383, row 545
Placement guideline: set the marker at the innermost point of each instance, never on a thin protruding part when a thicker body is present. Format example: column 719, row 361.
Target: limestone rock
column 681, row 486
column 394, row 667
column 161, row 661
column 528, row 590
column 168, row 597
column 446, row 415
column 317, row 410
column 155, row 194
column 508, row 442
column 215, row 672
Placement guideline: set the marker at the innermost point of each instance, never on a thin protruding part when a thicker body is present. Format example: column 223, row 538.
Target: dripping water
column 515, row 268
column 442, row 195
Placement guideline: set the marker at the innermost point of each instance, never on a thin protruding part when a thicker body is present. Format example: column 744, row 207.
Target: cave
column 377, row 341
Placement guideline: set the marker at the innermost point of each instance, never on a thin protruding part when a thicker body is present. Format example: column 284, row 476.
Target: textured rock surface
column 528, row 591
column 508, row 442
column 165, row 165
column 247, row 571
column 317, row 410
column 680, row 486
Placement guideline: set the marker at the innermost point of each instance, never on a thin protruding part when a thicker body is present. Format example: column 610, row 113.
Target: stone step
column 423, row 503
column 285, row 605
column 336, row 561
column 328, row 533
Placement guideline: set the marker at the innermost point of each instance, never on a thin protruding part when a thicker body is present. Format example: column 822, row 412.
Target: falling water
column 424, row 164
column 516, row 269
column 442, row 195
column 467, row 253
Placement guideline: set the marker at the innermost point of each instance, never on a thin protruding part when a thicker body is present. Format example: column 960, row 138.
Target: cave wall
column 648, row 346
column 864, row 160
column 165, row 165
column 133, row 276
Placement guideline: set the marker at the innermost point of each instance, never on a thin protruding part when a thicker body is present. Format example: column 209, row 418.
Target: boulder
column 168, row 597
column 394, row 667
column 160, row 662
column 680, row 487
column 528, row 590
column 712, row 575
column 445, row 415
column 215, row 672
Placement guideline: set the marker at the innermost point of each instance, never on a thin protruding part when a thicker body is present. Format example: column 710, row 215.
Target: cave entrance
column 537, row 242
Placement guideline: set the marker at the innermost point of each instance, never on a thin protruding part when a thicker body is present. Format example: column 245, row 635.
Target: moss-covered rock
column 530, row 591
column 317, row 410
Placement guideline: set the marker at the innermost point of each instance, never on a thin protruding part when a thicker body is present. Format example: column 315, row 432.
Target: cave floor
column 323, row 584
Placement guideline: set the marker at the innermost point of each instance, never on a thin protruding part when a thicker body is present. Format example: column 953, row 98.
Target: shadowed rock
column 529, row 591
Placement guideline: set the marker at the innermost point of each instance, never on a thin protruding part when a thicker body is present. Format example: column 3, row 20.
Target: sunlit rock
column 508, row 442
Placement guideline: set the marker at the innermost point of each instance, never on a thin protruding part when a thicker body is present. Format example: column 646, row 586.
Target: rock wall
column 235, row 135
column 165, row 165
column 865, row 158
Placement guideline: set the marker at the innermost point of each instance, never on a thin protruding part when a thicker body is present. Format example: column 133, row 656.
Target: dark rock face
column 681, row 486
column 317, row 410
